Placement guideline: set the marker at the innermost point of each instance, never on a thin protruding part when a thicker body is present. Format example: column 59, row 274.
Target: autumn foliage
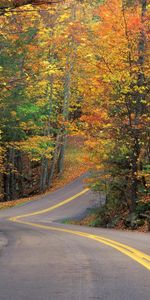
column 78, row 67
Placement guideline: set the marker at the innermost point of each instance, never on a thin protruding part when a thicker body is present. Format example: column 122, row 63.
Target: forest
column 77, row 68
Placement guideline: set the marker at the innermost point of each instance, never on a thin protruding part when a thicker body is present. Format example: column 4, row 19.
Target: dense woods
column 75, row 67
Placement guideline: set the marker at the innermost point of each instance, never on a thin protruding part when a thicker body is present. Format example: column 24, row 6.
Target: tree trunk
column 60, row 164
column 67, row 93
column 54, row 160
column 9, row 177
column 139, row 108
column 44, row 174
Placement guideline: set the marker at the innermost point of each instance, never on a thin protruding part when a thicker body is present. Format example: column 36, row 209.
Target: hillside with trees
column 77, row 68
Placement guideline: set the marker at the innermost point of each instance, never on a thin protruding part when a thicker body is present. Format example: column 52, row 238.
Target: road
column 43, row 259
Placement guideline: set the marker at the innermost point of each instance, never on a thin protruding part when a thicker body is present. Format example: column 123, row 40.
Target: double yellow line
column 136, row 255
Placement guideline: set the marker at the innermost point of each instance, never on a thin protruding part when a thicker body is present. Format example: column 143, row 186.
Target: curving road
column 43, row 259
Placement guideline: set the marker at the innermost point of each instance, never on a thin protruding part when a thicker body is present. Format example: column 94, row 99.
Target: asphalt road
column 43, row 259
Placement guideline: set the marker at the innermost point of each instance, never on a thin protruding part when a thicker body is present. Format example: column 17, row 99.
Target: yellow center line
column 43, row 211
column 135, row 254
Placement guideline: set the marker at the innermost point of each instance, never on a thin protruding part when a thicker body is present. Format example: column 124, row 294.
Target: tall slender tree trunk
column 67, row 93
column 54, row 160
column 44, row 174
column 9, row 178
column 139, row 107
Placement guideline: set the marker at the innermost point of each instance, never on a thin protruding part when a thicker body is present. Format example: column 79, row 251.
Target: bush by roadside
column 113, row 216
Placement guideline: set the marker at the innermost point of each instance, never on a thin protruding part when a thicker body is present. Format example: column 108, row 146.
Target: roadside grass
column 74, row 166
column 89, row 220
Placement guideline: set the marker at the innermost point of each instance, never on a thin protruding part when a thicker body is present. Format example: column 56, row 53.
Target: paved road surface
column 41, row 259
